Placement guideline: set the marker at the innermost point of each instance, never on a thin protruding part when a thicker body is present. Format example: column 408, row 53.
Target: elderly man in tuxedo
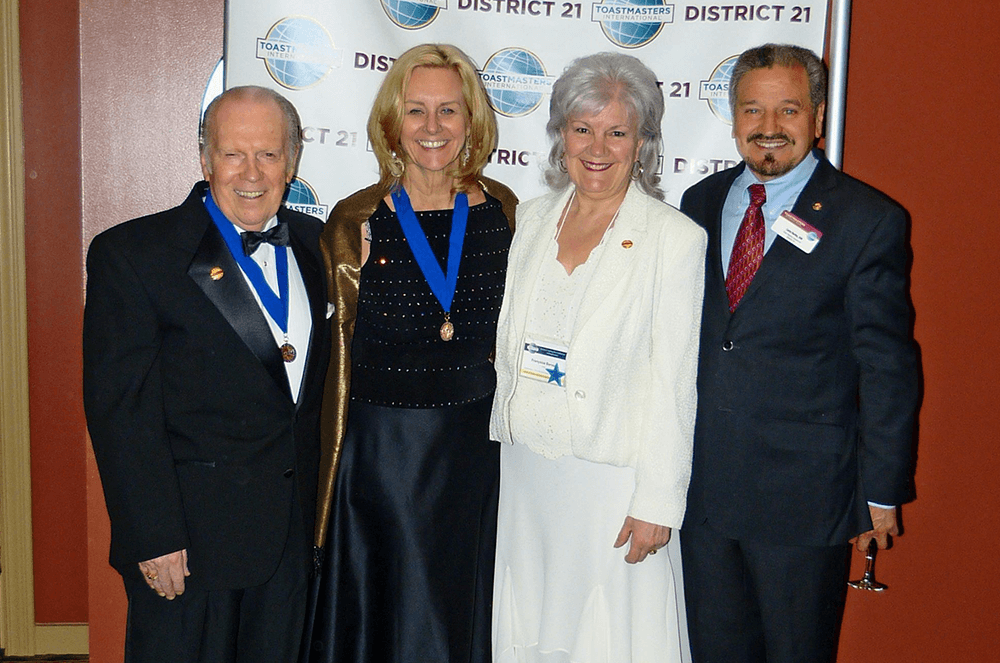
column 205, row 348
column 807, row 381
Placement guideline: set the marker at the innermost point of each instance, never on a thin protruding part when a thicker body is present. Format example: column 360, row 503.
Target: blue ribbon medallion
column 442, row 284
column 276, row 305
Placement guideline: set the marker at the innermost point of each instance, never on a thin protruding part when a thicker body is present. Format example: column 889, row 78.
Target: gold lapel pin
column 817, row 206
column 627, row 243
column 216, row 273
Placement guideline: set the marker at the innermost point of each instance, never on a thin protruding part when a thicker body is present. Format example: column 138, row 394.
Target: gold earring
column 637, row 170
column 396, row 165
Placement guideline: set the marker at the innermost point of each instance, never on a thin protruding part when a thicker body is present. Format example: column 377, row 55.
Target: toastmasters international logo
column 301, row 197
column 515, row 81
column 413, row 14
column 298, row 52
column 631, row 23
column 716, row 90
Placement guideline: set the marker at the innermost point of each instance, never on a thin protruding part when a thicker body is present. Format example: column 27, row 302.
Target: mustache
column 778, row 136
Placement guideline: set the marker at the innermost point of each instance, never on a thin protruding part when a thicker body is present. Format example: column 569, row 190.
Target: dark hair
column 782, row 55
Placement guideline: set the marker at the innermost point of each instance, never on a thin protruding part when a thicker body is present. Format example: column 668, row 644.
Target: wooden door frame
column 17, row 602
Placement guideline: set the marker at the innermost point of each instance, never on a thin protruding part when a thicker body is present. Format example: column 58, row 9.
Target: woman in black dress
column 416, row 267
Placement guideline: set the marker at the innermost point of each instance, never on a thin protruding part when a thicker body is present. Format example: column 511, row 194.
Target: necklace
column 565, row 213
column 442, row 284
column 562, row 223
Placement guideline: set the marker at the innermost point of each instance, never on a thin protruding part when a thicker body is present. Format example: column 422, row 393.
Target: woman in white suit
column 596, row 362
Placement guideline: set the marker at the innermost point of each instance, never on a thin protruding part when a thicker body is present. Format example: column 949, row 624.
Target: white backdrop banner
column 329, row 57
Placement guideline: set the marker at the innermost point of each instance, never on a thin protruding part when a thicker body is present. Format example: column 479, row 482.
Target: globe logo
column 515, row 81
column 716, row 90
column 632, row 23
column 301, row 197
column 411, row 14
column 300, row 192
column 298, row 52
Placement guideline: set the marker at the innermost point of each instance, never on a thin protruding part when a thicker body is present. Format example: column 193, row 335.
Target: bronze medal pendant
column 443, row 283
column 447, row 330
column 288, row 352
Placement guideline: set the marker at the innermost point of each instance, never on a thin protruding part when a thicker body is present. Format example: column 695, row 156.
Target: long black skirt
column 408, row 575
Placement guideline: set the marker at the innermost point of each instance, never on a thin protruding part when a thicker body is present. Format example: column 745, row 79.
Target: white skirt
column 562, row 593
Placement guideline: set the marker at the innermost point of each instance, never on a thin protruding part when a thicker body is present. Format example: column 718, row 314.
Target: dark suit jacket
column 197, row 438
column 808, row 391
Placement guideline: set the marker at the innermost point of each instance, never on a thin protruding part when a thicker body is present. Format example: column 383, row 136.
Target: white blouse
column 539, row 412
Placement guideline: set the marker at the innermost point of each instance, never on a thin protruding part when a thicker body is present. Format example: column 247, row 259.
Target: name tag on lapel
column 544, row 360
column 794, row 230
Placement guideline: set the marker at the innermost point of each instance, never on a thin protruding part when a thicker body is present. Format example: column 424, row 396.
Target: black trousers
column 753, row 602
column 261, row 624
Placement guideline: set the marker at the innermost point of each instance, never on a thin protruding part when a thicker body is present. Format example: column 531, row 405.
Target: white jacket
column 633, row 356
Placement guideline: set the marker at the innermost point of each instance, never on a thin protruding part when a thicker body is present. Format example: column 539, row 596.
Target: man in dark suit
column 807, row 381
column 204, row 357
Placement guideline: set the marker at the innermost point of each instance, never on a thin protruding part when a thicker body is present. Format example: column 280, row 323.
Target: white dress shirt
column 299, row 318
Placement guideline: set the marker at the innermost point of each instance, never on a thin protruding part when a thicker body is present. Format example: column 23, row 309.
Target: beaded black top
column 398, row 356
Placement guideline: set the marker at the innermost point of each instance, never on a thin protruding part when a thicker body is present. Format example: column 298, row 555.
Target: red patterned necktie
column 748, row 249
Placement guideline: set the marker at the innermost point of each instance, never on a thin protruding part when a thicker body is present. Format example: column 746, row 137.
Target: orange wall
column 124, row 79
column 921, row 125
column 50, row 75
column 921, row 113
column 145, row 66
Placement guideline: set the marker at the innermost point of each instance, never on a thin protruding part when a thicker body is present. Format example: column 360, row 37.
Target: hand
column 647, row 538
column 883, row 526
column 165, row 575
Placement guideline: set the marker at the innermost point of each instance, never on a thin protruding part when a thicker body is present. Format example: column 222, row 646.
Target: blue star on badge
column 555, row 375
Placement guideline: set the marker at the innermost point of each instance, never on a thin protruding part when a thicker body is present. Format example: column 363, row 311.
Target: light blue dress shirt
column 782, row 192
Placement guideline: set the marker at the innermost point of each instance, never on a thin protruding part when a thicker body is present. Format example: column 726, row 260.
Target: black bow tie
column 278, row 236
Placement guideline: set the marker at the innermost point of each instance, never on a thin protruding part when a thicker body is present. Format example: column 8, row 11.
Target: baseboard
column 62, row 639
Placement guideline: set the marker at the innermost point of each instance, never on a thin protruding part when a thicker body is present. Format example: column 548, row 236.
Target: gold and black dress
column 408, row 567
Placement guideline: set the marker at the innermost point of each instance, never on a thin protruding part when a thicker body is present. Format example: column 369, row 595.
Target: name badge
column 796, row 231
column 544, row 360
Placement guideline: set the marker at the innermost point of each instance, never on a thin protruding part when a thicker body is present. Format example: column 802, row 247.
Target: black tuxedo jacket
column 198, row 441
column 807, row 393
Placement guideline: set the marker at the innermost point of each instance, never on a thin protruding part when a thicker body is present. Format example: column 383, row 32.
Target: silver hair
column 293, row 125
column 586, row 87
column 781, row 55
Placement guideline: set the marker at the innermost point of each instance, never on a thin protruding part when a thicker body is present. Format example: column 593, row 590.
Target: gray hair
column 586, row 87
column 293, row 125
column 782, row 55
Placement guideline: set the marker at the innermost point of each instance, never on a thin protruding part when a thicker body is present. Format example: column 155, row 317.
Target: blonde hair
column 386, row 119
